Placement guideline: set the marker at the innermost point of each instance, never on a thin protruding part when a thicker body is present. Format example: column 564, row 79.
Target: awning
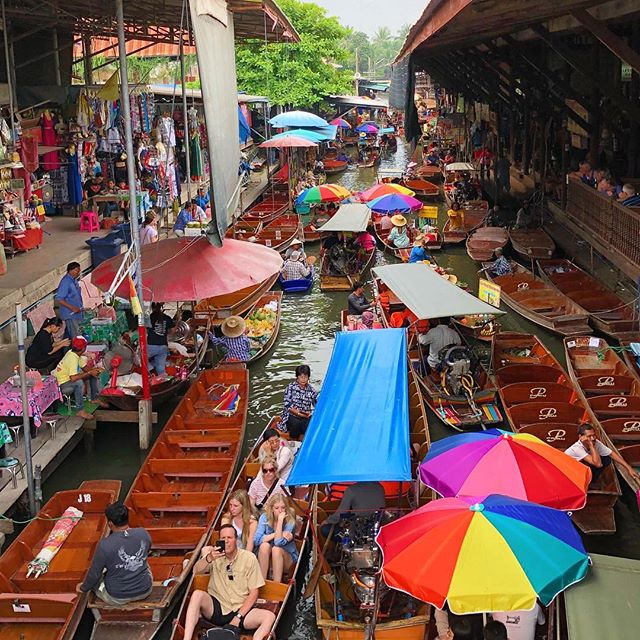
column 349, row 217
column 460, row 166
column 605, row 604
column 428, row 294
column 360, row 428
column 357, row 101
column 170, row 90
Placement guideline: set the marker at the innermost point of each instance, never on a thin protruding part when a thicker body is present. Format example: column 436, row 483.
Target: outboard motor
column 455, row 366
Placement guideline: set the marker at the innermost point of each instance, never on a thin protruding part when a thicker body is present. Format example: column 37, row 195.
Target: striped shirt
column 632, row 201
column 235, row 348
column 298, row 398
column 294, row 270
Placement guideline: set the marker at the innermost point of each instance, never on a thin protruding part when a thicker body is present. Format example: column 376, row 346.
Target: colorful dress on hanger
column 74, row 182
column 196, row 156
column 50, row 160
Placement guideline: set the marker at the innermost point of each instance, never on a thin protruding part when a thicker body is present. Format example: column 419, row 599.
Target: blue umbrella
column 367, row 128
column 309, row 134
column 297, row 119
column 386, row 130
column 394, row 202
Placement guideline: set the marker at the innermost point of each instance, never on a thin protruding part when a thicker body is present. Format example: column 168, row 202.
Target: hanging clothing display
column 51, row 160
column 74, row 180
column 196, row 155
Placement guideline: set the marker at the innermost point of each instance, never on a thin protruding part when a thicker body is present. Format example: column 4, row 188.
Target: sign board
column 429, row 212
column 489, row 292
column 17, row 183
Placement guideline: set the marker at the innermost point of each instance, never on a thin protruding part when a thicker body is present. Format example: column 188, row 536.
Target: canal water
column 309, row 323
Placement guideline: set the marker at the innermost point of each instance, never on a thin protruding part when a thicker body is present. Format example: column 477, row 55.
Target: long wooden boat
column 483, row 242
column 534, row 299
column 301, row 285
column 177, row 496
column 279, row 233
column 267, row 209
column 422, row 188
column 539, row 398
column 48, row 607
column 474, row 216
column 343, row 282
column 273, row 595
column 430, row 171
column 533, row 244
column 611, row 391
column 218, row 308
column 265, row 342
column 608, row 312
column 332, row 166
column 382, row 236
column 243, row 229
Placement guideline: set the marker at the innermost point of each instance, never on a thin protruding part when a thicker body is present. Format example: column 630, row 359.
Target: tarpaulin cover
column 349, row 217
column 360, row 428
column 428, row 294
column 243, row 125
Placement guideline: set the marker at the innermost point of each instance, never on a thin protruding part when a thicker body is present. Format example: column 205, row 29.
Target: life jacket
column 337, row 489
column 391, row 489
column 383, row 298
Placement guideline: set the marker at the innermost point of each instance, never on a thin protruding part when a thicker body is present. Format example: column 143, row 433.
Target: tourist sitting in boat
column 343, row 157
column 120, row 572
column 299, row 400
column 158, row 344
column 360, row 499
column 45, row 352
column 500, row 266
column 191, row 213
column 232, row 591
column 419, row 251
column 456, row 217
column 72, row 372
column 585, row 174
column 357, row 302
column 449, row 157
column 597, row 456
column 236, row 345
column 265, row 483
column 385, row 223
column 433, row 159
column 274, row 538
column 243, row 517
column 369, row 321
column 493, row 217
column 294, row 267
column 276, row 447
column 398, row 236
column 437, row 338
column 296, row 245
column 629, row 197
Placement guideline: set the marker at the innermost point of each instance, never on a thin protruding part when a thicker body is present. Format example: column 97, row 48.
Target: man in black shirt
column 357, row 301
column 45, row 352
column 158, row 345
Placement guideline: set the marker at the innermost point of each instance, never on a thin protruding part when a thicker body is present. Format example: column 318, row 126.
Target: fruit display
column 261, row 323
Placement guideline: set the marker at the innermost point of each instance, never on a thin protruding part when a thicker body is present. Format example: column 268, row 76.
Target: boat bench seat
column 205, row 445
column 152, row 602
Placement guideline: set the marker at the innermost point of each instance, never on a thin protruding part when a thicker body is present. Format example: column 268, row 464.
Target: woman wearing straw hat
column 419, row 252
column 296, row 245
column 233, row 341
column 398, row 237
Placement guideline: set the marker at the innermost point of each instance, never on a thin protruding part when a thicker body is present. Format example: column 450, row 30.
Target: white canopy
column 349, row 217
column 460, row 166
column 428, row 294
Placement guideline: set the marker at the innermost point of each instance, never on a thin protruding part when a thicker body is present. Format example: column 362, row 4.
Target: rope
column 36, row 518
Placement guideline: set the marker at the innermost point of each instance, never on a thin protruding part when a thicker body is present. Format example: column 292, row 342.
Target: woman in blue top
column 274, row 537
column 419, row 253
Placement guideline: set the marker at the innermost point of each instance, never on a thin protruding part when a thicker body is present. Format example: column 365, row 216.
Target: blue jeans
column 157, row 356
column 77, row 389
column 72, row 327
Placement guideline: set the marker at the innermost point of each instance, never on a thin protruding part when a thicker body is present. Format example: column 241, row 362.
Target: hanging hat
column 295, row 255
column 398, row 220
column 79, row 343
column 296, row 241
column 233, row 327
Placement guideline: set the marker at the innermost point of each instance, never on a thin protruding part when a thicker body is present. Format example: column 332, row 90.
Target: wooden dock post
column 145, row 420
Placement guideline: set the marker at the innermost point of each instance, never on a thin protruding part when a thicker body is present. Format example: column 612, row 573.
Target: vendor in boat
column 398, row 236
column 45, row 352
column 191, row 213
column 365, row 241
column 419, row 251
column 360, row 499
column 437, row 338
column 456, row 217
column 294, row 267
column 274, row 538
column 275, row 446
column 157, row 338
column 500, row 266
column 232, row 591
column 299, row 400
column 357, row 302
column 296, row 245
column 330, row 241
column 243, row 517
column 433, row 159
column 120, row 573
column 235, row 343
column 597, row 456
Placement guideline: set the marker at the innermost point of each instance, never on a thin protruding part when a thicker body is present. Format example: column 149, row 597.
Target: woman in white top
column 242, row 516
column 149, row 233
column 266, row 483
column 276, row 447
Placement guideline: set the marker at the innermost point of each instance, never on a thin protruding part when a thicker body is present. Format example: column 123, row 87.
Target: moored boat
column 539, row 398
column 422, row 188
column 178, row 494
column 532, row 298
column 533, row 244
column 483, row 242
column 332, row 165
column 301, row 285
column 263, row 338
column 47, row 606
column 631, row 354
column 279, row 233
column 474, row 216
column 608, row 312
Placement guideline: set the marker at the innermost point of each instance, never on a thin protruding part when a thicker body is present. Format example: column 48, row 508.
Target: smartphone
column 220, row 544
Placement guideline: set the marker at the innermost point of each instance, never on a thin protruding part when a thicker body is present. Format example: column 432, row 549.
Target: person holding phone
column 234, row 584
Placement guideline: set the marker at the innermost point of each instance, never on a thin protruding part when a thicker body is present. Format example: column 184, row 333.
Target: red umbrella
column 288, row 141
column 180, row 269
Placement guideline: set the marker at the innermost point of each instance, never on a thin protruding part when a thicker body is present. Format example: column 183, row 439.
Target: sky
column 369, row 15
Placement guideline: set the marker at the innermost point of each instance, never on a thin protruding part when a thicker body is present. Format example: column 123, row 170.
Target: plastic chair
column 89, row 221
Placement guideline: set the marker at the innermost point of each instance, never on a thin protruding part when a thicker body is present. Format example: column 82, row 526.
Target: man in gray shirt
column 438, row 338
column 361, row 499
column 120, row 572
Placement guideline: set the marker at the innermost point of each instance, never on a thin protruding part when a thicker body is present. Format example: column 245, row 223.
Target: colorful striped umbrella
column 497, row 555
column 384, row 189
column 323, row 193
column 518, row 465
column 367, row 128
column 394, row 202
column 341, row 122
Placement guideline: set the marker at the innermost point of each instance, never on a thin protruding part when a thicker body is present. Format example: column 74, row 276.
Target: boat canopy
column 349, row 217
column 609, row 595
column 360, row 429
column 429, row 295
column 460, row 166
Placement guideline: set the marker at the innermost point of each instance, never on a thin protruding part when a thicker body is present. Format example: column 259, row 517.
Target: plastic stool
column 13, row 470
column 52, row 421
column 89, row 221
column 16, row 435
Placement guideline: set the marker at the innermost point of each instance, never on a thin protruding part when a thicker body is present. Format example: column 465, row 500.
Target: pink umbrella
column 288, row 142
column 180, row 269
column 340, row 122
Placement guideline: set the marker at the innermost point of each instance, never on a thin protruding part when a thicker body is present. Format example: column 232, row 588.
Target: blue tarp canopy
column 360, row 428
column 243, row 126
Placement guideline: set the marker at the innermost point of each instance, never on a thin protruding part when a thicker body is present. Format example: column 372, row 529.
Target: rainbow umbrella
column 497, row 555
column 518, row 465
column 384, row 189
column 322, row 193
column 394, row 202
column 340, row 122
column 367, row 128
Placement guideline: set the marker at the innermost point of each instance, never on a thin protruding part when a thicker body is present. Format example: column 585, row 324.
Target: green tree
column 297, row 74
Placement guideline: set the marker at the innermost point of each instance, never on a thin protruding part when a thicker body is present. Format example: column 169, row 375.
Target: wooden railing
column 611, row 227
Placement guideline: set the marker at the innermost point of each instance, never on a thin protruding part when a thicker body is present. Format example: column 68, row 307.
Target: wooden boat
column 533, row 244
column 343, row 282
column 483, row 242
column 177, row 496
column 610, row 390
column 476, row 327
column 608, row 312
column 539, row 398
column 267, row 209
column 273, row 595
column 302, row 285
column 383, row 234
column 628, row 356
column 268, row 343
column 474, row 217
column 49, row 607
column 217, row 308
column 429, row 171
column 422, row 188
column 243, row 229
column 278, row 233
column 332, row 166
column 532, row 298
